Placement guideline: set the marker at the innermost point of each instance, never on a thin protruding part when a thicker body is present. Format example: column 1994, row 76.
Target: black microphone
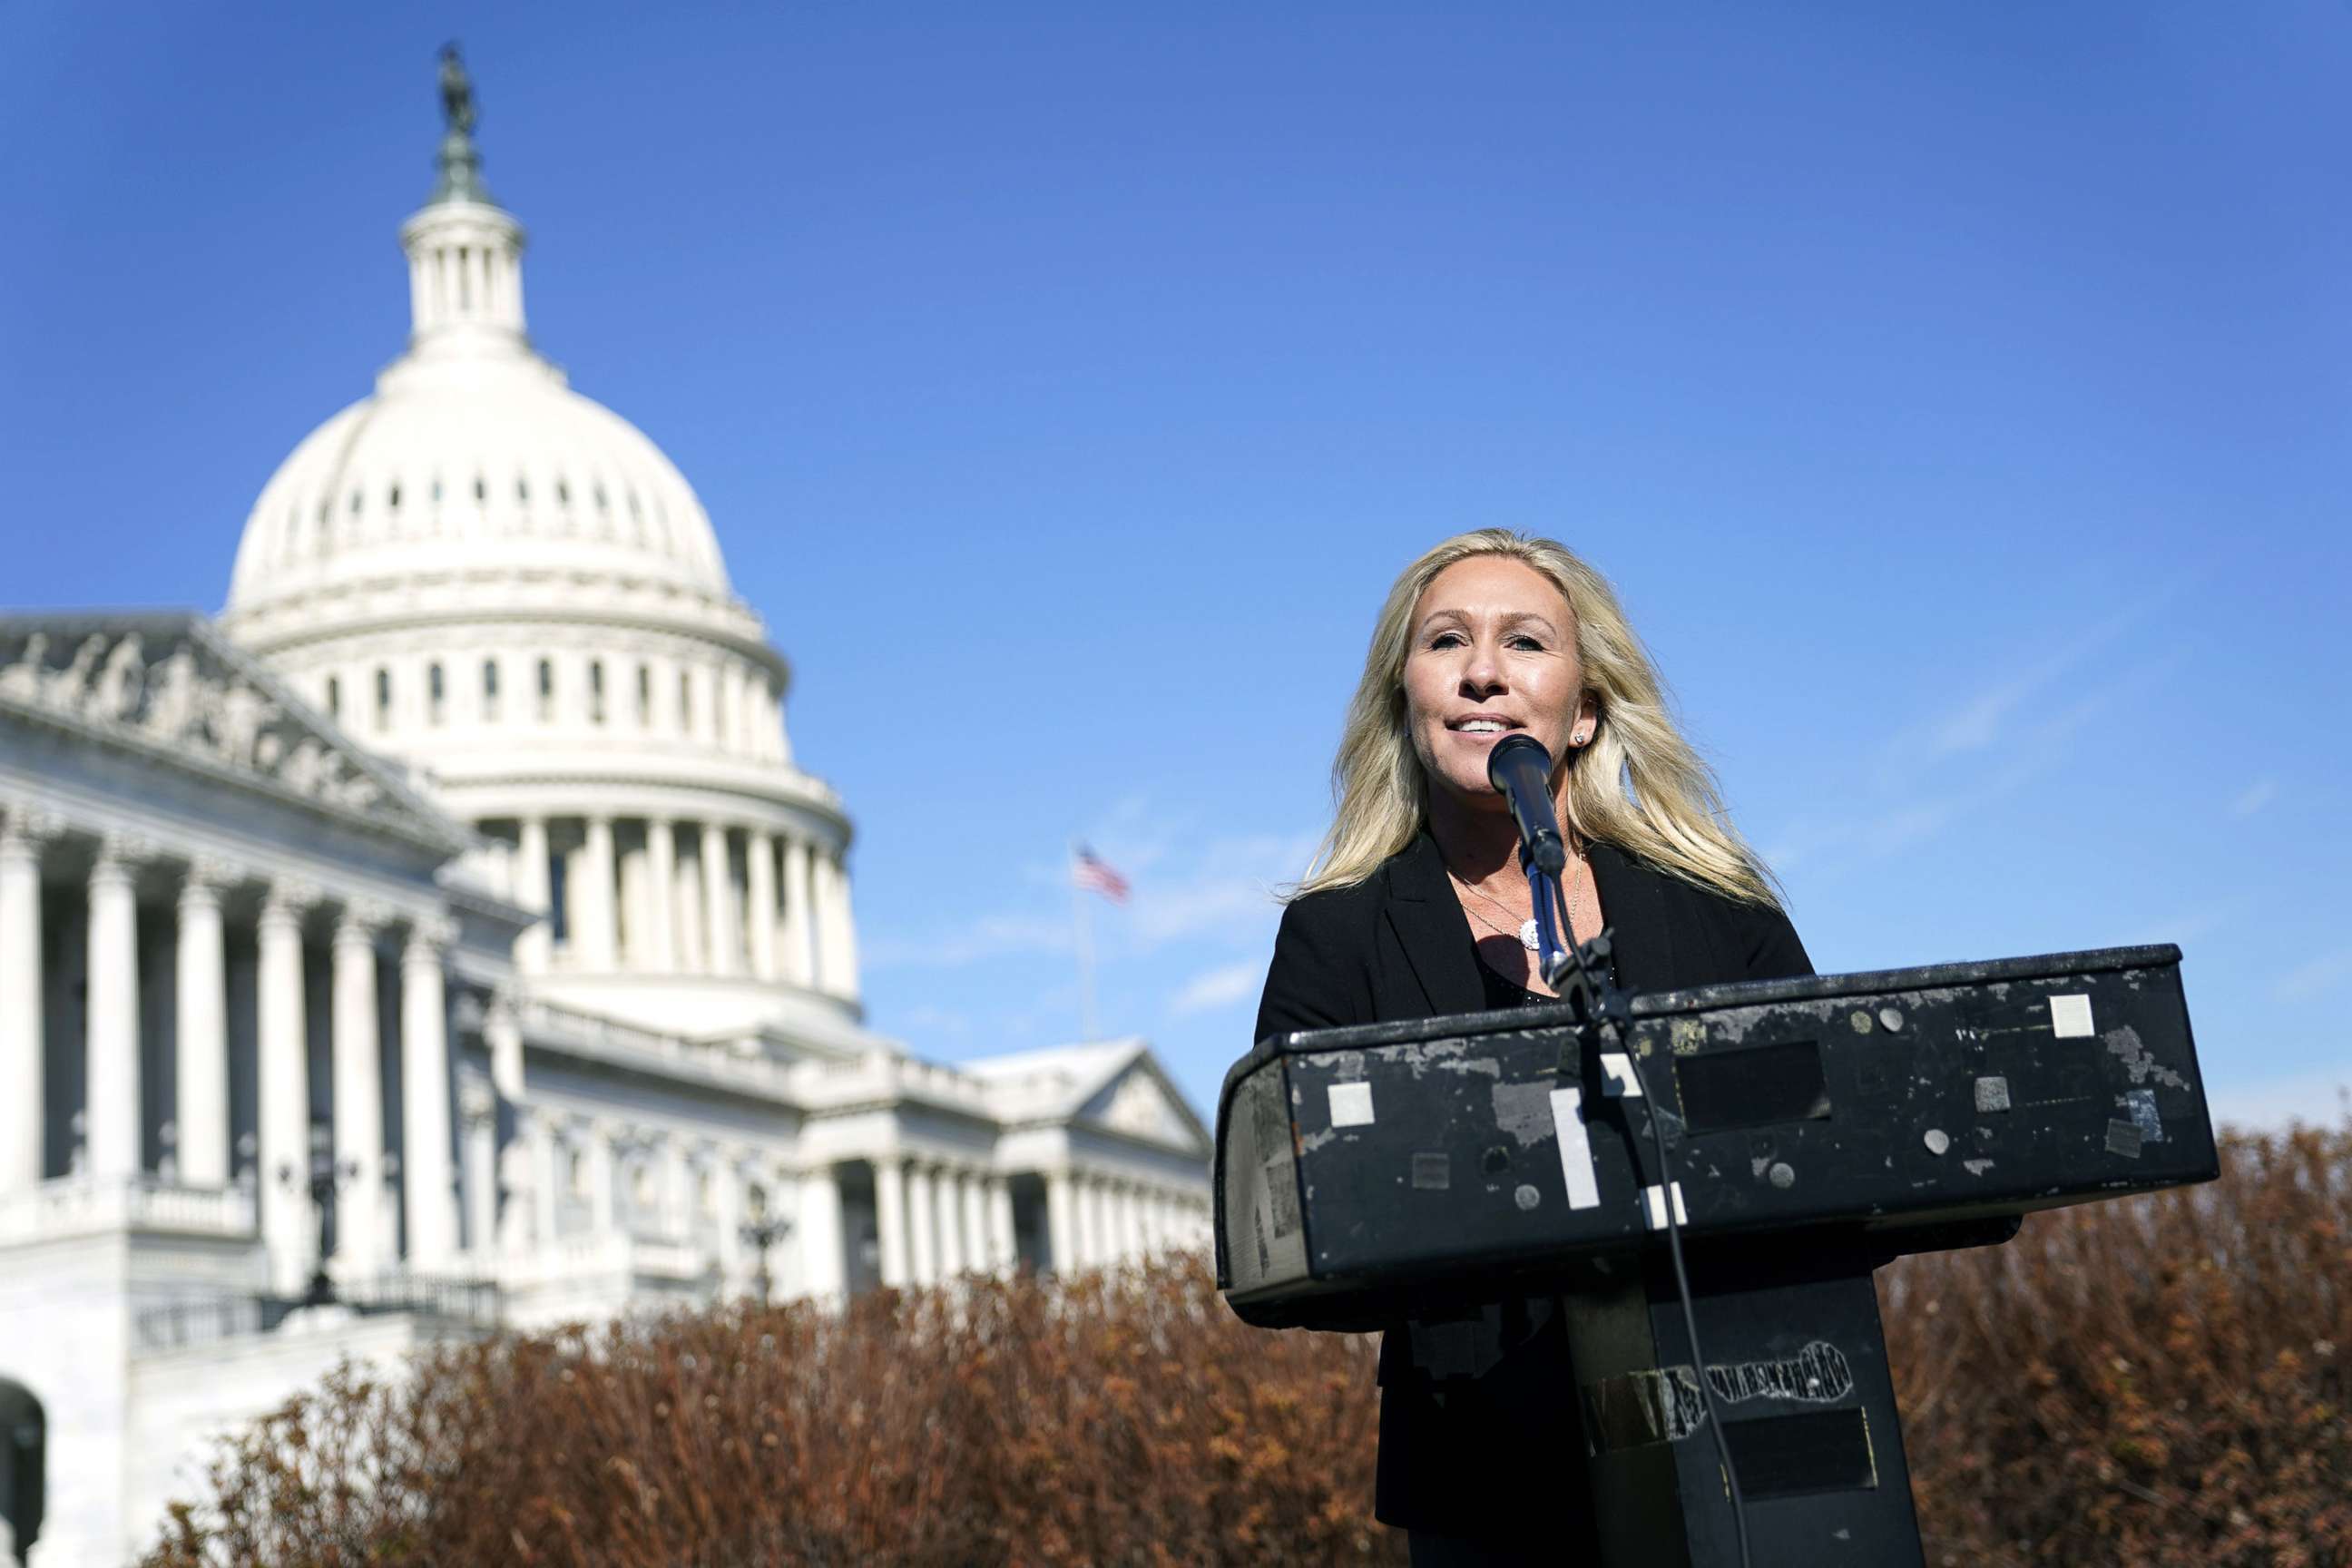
column 1521, row 769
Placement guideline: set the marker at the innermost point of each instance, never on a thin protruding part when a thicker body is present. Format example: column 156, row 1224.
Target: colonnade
column 1094, row 1219
column 111, row 873
column 661, row 895
column 935, row 1219
column 722, row 701
column 594, row 1175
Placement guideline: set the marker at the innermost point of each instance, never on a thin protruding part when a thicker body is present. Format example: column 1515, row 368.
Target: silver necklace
column 1529, row 936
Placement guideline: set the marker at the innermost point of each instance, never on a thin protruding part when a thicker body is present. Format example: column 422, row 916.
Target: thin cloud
column 2254, row 797
column 1223, row 987
column 2318, row 976
column 2319, row 1098
column 999, row 935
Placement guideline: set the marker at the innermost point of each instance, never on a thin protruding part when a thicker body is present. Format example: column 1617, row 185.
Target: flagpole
column 1085, row 941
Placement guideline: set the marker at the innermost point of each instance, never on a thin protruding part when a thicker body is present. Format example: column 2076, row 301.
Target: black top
column 1493, row 1452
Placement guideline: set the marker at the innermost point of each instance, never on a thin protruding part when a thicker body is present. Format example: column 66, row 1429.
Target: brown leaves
column 2136, row 1381
column 2157, row 1381
column 1110, row 1420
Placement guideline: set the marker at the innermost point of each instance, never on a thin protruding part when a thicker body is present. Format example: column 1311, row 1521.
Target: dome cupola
column 482, row 572
column 474, row 463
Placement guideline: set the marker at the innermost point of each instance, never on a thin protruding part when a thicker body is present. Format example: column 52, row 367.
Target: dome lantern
column 465, row 252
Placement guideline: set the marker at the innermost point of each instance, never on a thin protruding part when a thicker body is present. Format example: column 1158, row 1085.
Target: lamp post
column 763, row 1230
column 322, row 1178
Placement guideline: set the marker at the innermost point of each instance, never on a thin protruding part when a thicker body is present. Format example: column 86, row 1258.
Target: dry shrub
column 2156, row 1381
column 1122, row 1418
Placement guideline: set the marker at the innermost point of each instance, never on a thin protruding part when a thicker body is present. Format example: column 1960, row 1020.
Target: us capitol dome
column 507, row 586
column 446, row 940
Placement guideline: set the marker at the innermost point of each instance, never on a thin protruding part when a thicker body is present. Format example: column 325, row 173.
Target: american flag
column 1089, row 872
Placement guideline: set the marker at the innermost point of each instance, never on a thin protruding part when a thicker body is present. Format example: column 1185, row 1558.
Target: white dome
column 473, row 457
column 480, row 465
column 506, row 587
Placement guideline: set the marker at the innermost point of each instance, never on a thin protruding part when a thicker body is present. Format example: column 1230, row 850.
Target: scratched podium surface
column 1815, row 1128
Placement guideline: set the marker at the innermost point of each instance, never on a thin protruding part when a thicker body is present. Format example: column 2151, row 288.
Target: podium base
column 1797, row 1357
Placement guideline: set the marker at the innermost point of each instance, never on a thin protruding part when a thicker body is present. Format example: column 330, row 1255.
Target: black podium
column 1813, row 1130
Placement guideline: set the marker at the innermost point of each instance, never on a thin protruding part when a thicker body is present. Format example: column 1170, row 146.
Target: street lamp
column 763, row 1230
column 323, row 1177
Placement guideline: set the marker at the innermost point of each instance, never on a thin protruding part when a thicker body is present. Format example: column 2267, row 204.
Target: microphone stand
column 1580, row 976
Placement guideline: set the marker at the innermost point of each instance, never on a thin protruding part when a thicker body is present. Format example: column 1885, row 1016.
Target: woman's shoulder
column 1347, row 904
column 1755, row 940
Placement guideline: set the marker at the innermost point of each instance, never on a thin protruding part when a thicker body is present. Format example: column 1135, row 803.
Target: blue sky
column 1961, row 403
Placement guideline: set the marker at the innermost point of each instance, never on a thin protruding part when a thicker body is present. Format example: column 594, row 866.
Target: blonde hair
column 1638, row 785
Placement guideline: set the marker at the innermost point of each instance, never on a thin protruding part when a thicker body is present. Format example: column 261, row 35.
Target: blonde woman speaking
column 1416, row 906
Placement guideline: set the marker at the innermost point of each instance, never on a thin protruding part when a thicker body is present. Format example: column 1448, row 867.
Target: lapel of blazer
column 1634, row 902
column 1431, row 929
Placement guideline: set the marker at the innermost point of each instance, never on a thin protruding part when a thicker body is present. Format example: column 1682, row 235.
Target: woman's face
column 1492, row 651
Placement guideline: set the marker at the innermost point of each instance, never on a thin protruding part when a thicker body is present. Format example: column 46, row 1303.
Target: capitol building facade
column 447, row 937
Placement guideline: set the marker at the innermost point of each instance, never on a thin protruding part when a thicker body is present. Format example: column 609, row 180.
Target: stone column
column 724, row 937
column 548, row 1176
column 502, row 1033
column 1062, row 1223
column 202, row 1112
column 661, row 901
column 727, row 1189
column 23, row 1036
column 819, row 1224
column 760, row 862
column 845, row 941
column 979, row 1255
column 288, row 1228
column 1003, row 1247
column 358, row 1097
column 478, row 1111
column 1155, row 1221
column 677, row 1203
column 595, row 940
column 890, row 1217
column 950, row 1204
column 1118, row 1232
column 600, row 1137
column 922, row 1225
column 113, row 1103
column 425, row 1089
column 532, row 948
column 800, row 930
column 822, row 915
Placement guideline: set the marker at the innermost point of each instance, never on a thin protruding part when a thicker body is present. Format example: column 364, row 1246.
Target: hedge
column 2160, row 1380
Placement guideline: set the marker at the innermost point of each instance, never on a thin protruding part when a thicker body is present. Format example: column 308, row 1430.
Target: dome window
column 685, row 702
column 546, row 690
column 435, row 694
column 334, row 697
column 490, row 689
column 563, row 493
column 601, row 504
column 522, row 490
column 382, row 698
column 596, row 691
column 481, row 489
column 436, row 490
column 355, row 501
column 645, row 696
column 391, row 498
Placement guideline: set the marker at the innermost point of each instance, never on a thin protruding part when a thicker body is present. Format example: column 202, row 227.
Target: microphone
column 1521, row 769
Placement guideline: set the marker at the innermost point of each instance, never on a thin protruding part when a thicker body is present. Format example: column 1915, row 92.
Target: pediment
column 170, row 685
column 1140, row 1104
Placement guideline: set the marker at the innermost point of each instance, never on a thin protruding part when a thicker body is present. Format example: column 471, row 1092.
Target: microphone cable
column 1673, row 1227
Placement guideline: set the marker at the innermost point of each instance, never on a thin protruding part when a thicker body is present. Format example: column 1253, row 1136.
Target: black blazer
column 1496, row 1454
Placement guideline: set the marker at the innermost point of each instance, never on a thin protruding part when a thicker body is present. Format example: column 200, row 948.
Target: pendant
column 1528, row 934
